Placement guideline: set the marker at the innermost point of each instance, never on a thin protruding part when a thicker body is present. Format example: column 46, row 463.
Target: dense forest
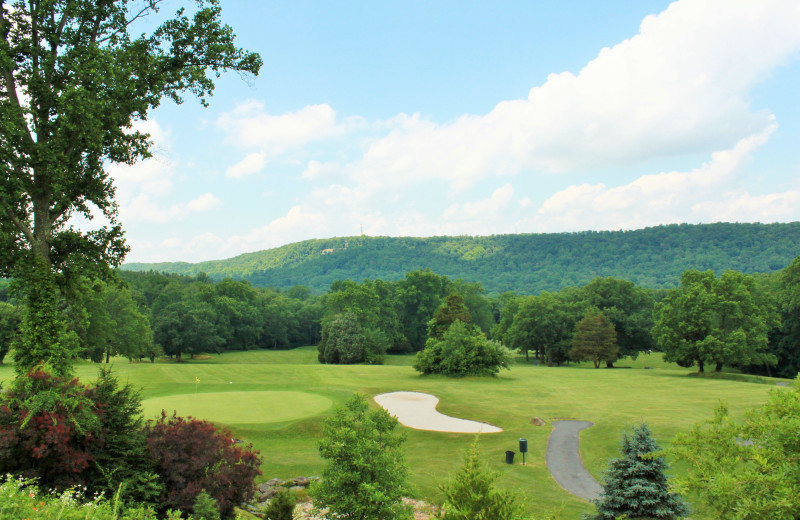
column 525, row 263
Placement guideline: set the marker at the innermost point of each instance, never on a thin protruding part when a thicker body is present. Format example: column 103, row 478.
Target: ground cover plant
column 669, row 398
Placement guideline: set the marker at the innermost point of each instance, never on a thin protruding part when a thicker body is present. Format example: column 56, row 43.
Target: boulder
column 537, row 421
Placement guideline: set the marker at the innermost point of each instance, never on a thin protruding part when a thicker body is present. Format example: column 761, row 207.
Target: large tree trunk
column 700, row 367
column 718, row 368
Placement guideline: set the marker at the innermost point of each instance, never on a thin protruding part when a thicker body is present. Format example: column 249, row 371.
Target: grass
column 274, row 384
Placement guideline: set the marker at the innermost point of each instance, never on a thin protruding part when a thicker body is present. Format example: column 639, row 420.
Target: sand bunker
column 417, row 410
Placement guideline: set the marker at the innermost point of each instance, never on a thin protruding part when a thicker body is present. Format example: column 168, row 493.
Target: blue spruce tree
column 636, row 483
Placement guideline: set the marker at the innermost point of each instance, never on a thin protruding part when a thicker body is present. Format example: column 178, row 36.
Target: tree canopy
column 74, row 83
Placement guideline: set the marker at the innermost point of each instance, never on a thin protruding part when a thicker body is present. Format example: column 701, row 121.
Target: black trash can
column 509, row 457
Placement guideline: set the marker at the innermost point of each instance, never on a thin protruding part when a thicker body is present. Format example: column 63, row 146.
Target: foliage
column 65, row 434
column 526, row 263
column 450, row 311
column 365, row 474
column 746, row 469
column 192, row 455
column 10, row 318
column 595, row 339
column 74, row 84
column 463, row 350
column 345, row 341
column 205, row 507
column 281, row 506
column 628, row 307
column 20, row 499
column 635, row 485
column 714, row 320
column 471, row 494
column 545, row 324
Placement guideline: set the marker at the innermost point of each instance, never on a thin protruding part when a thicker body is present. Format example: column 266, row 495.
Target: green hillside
column 526, row 263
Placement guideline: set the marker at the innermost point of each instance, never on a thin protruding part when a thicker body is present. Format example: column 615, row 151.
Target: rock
column 302, row 481
column 297, row 488
column 273, row 482
column 536, row 421
column 269, row 493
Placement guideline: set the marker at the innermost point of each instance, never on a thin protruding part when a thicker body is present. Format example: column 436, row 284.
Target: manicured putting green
column 240, row 407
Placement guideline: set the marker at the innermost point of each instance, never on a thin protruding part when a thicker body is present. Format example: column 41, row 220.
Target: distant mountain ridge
column 526, row 263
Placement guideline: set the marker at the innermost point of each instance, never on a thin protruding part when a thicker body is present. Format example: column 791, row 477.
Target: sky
column 422, row 118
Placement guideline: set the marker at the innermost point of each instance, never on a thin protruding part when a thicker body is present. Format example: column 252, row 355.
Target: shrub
column 345, row 341
column 66, row 434
column 463, row 350
column 281, row 506
column 191, row 456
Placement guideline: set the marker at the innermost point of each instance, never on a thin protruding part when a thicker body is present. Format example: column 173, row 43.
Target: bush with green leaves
column 365, row 476
column 636, row 484
column 746, row 468
column 66, row 434
column 281, row 506
column 471, row 494
column 345, row 341
column 463, row 350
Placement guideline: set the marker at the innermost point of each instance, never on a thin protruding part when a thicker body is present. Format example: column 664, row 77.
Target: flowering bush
column 21, row 500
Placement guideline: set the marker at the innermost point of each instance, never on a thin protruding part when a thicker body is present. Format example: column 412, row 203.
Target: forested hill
column 526, row 263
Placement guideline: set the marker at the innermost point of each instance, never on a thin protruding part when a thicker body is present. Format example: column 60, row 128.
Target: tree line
column 749, row 322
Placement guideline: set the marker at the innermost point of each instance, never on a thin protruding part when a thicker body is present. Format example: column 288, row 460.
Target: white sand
column 417, row 410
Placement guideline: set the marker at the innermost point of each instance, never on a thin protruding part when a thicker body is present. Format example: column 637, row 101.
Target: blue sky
column 450, row 118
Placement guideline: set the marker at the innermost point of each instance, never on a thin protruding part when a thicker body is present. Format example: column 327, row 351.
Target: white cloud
column 252, row 163
column 704, row 194
column 142, row 208
column 680, row 86
column 250, row 126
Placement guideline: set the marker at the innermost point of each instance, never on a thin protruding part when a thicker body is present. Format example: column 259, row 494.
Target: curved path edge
column 564, row 460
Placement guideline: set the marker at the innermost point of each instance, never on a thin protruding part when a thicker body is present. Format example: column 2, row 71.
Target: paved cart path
column 564, row 460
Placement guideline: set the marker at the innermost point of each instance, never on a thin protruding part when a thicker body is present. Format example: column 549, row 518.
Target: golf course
column 276, row 400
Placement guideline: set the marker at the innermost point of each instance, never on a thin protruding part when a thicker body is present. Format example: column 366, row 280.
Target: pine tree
column 636, row 483
column 471, row 495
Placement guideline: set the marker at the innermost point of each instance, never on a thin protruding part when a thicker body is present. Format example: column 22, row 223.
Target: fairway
column 240, row 407
column 278, row 399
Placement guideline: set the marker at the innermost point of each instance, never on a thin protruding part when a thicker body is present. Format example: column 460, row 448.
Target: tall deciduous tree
column 715, row 320
column 73, row 83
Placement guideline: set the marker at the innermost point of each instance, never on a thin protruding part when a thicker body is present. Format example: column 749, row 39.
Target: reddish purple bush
column 192, row 455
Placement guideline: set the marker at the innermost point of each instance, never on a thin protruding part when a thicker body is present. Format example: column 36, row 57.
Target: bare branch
column 141, row 14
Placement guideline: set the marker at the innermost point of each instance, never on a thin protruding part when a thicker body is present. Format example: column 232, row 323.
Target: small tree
column 636, row 483
column 365, row 476
column 471, row 494
column 463, row 350
column 595, row 339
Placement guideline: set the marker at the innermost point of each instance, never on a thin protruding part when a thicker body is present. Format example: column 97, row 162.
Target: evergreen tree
column 636, row 485
column 471, row 494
